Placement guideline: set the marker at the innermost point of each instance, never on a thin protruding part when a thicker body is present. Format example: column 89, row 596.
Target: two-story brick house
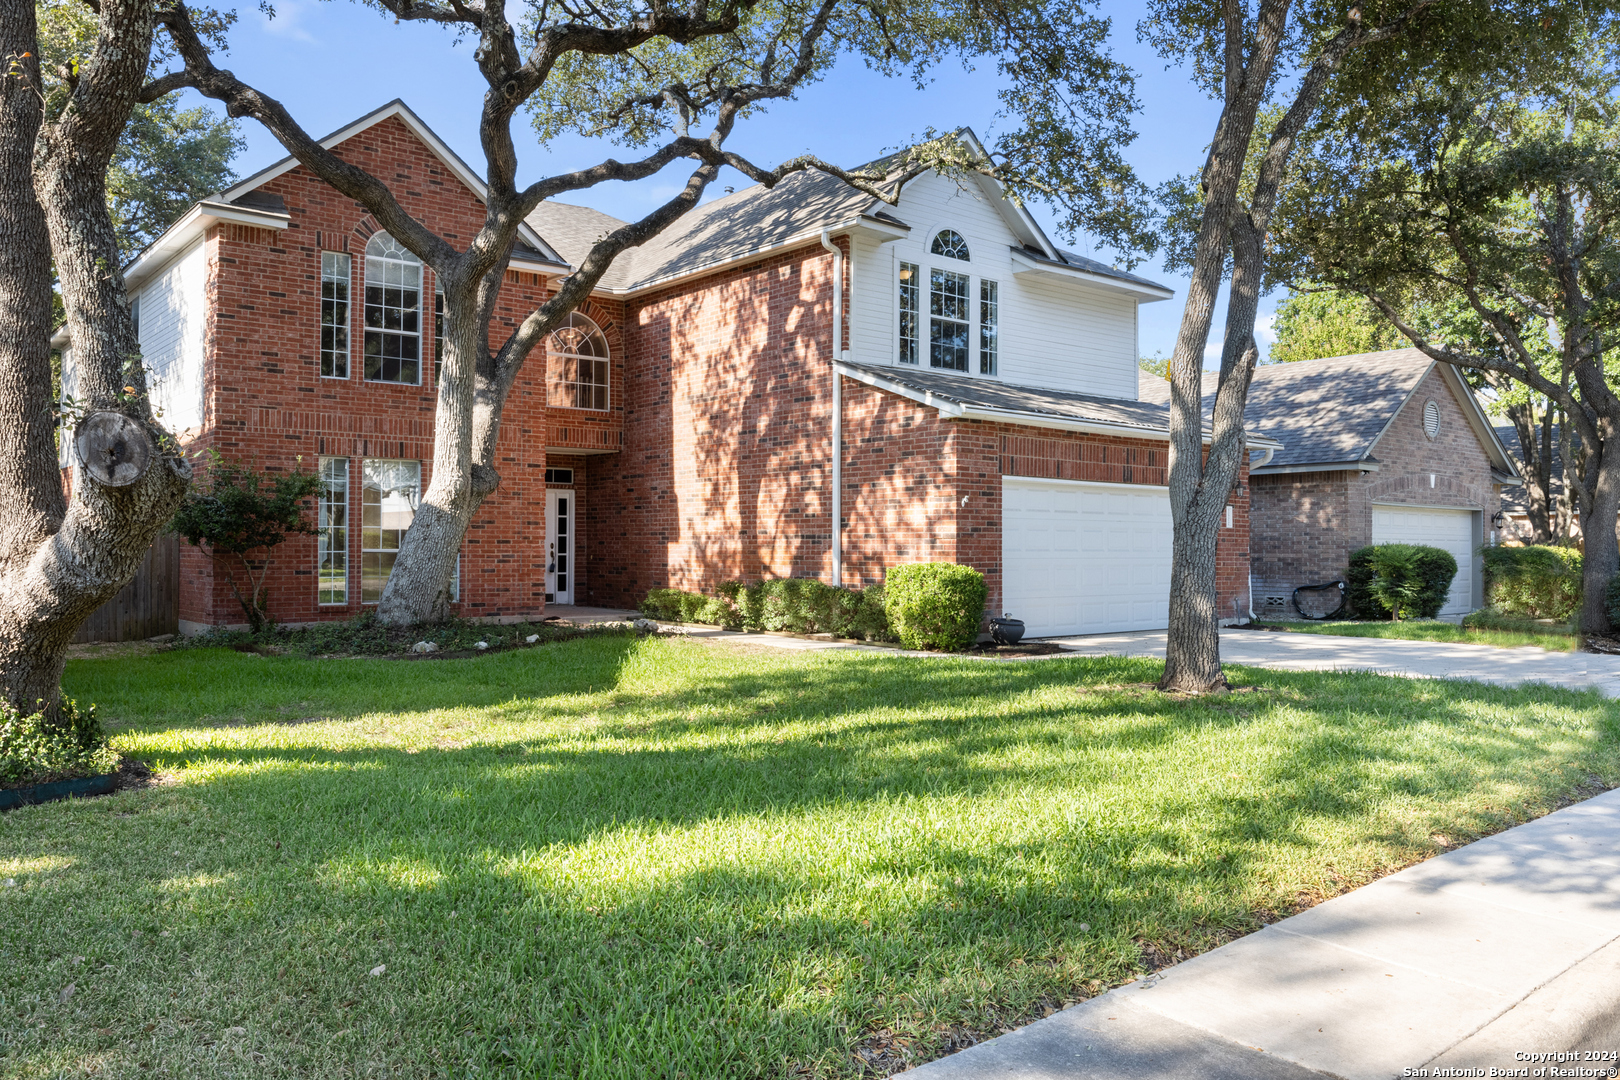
column 693, row 423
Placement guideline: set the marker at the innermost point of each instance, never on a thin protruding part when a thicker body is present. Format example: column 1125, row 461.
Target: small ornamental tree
column 243, row 512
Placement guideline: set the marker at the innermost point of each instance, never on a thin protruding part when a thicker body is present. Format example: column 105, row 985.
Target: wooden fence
column 147, row 606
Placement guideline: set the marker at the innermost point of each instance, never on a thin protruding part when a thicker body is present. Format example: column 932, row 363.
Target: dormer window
column 953, row 321
column 949, row 243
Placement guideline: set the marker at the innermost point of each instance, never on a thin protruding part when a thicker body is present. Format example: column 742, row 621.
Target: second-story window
column 579, row 368
column 989, row 318
column 393, row 312
column 438, row 328
column 334, row 315
column 910, row 305
column 949, row 320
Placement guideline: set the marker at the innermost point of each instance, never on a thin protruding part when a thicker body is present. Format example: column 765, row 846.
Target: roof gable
column 242, row 192
column 758, row 220
column 1334, row 410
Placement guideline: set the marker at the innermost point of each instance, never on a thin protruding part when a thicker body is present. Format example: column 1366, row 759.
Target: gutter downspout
column 838, row 411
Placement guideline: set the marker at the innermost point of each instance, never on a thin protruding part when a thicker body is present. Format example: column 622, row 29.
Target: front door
column 560, row 542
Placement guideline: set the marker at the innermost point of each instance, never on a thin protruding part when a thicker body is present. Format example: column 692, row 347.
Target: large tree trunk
column 1600, row 552
column 418, row 588
column 61, row 563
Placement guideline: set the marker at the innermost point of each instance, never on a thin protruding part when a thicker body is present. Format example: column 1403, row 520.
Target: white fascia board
column 1023, row 264
column 955, row 410
column 1483, row 430
column 439, row 148
column 1326, row 466
column 1016, row 214
column 797, row 240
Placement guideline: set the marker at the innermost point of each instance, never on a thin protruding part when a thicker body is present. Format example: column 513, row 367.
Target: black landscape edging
column 12, row 798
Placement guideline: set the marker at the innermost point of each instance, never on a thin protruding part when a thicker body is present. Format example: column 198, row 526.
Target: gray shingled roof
column 744, row 222
column 1322, row 411
column 991, row 394
column 1513, row 497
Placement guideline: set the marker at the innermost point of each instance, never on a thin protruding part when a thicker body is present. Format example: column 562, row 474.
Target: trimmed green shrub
column 1535, row 581
column 717, row 612
column 1611, row 599
column 1400, row 581
column 870, row 621
column 935, row 605
column 793, row 605
column 663, row 604
column 34, row 751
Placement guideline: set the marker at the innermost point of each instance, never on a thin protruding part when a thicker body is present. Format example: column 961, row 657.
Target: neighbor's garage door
column 1085, row 558
column 1452, row 530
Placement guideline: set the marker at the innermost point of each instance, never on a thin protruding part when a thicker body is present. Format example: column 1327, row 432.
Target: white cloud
column 1265, row 330
column 288, row 22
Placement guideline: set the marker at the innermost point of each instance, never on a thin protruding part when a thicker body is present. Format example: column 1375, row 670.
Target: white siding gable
column 173, row 305
column 1054, row 334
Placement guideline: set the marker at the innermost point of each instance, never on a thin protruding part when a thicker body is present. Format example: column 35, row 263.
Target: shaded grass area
column 1433, row 630
column 622, row 857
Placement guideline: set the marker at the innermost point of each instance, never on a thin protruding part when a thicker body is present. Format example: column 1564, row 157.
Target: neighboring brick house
column 681, row 431
column 1376, row 448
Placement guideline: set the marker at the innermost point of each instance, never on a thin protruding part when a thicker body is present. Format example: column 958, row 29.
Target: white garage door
column 1452, row 530
column 1085, row 558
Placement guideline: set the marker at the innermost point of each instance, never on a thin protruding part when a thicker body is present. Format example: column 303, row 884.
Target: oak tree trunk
column 1600, row 552
column 61, row 559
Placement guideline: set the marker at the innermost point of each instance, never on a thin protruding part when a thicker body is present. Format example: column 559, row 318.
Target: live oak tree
column 1316, row 321
column 1270, row 64
column 167, row 158
column 670, row 80
column 1501, row 186
column 61, row 557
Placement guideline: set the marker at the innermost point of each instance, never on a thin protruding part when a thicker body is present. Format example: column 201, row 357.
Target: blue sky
column 330, row 62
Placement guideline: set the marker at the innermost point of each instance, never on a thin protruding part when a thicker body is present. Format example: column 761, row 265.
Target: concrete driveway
column 1414, row 659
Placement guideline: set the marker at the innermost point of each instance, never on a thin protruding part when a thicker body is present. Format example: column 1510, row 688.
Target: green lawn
column 1432, row 630
column 617, row 857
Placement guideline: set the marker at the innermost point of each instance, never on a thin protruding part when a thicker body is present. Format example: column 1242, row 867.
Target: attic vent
column 1431, row 418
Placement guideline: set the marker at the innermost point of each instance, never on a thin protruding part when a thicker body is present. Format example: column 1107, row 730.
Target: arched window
column 950, row 244
column 580, row 369
column 393, row 312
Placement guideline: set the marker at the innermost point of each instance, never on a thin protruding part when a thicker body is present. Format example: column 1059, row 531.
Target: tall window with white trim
column 393, row 312
column 949, row 319
column 334, row 315
column 989, row 317
column 579, row 365
column 438, row 328
column 391, row 492
column 910, row 308
column 332, row 532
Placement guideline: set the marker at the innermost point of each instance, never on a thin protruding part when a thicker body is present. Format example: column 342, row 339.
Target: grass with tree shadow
column 621, row 857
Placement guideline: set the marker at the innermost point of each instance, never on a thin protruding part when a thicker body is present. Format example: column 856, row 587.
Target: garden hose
column 1335, row 613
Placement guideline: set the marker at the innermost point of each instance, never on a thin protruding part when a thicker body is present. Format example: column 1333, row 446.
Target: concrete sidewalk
column 1507, row 947
column 1414, row 659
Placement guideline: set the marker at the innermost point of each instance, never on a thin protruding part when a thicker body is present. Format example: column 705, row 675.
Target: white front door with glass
column 562, row 537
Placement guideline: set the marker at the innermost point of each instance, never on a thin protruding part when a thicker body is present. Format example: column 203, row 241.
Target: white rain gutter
column 838, row 411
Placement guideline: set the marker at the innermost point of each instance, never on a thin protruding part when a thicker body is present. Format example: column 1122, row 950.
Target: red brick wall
column 726, row 469
column 266, row 402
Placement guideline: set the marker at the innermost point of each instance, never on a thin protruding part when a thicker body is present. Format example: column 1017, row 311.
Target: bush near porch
column 620, row 857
